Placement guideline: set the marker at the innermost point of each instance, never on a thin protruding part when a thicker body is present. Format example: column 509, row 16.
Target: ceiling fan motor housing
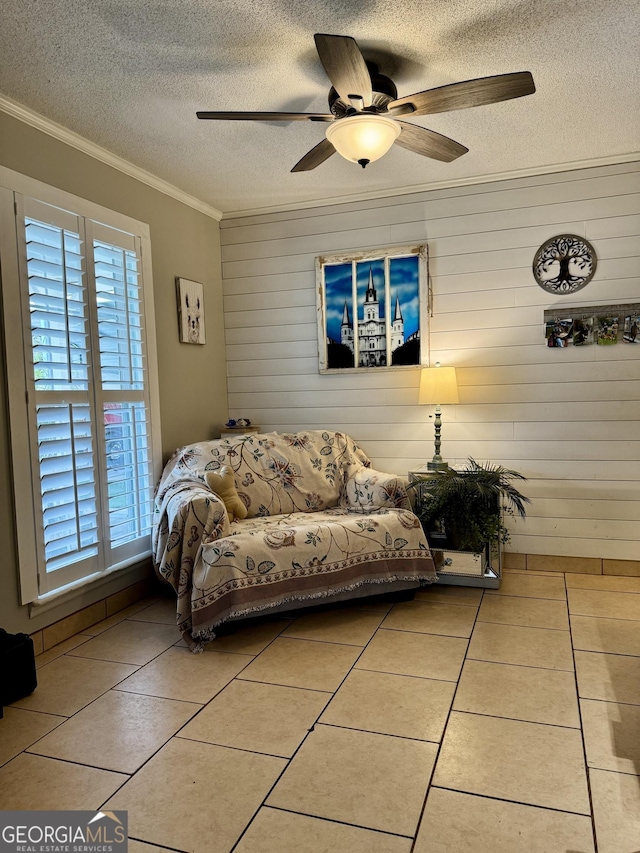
column 383, row 90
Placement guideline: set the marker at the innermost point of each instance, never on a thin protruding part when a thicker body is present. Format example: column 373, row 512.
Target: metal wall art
column 372, row 309
column 564, row 264
column 604, row 325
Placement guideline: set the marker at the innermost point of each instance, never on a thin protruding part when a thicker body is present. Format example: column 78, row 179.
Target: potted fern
column 465, row 507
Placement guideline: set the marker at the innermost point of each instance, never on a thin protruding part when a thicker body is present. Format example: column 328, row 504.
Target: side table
column 459, row 568
column 226, row 431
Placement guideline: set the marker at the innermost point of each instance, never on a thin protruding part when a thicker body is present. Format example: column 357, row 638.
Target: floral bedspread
column 320, row 521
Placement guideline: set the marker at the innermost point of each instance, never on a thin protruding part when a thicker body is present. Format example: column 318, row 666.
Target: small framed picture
column 631, row 333
column 608, row 327
column 190, row 311
column 582, row 331
column 559, row 332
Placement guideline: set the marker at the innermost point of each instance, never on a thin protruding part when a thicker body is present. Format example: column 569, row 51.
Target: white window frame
column 25, row 471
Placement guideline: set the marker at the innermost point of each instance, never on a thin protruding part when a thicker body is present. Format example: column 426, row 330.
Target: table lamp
column 438, row 385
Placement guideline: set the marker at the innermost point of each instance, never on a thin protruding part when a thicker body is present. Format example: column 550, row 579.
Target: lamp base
column 437, row 466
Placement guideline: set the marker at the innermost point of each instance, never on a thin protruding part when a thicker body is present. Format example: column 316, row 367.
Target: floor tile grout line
column 79, row 764
column 520, row 625
column 15, row 707
column 33, row 743
column 62, row 654
column 340, row 822
column 602, row 616
column 88, row 627
column 422, row 633
column 409, row 675
column 607, row 654
column 151, row 660
column 610, row 702
column 318, row 640
column 406, row 675
column 196, row 714
column 517, row 719
column 618, row 772
column 176, row 733
column 95, row 699
column 263, row 804
column 230, row 746
column 522, row 665
column 331, row 695
column 514, row 625
column 582, row 737
column 119, row 689
column 429, row 633
column 506, row 800
column 502, row 595
column 70, row 654
column 444, row 732
column 246, row 680
column 604, row 589
column 594, row 616
column 526, row 665
column 374, row 732
column 448, row 600
column 154, row 843
column 217, row 693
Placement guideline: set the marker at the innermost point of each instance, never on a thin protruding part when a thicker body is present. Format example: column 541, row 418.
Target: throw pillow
column 223, row 484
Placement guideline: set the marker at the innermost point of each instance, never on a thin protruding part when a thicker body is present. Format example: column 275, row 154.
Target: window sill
column 94, row 582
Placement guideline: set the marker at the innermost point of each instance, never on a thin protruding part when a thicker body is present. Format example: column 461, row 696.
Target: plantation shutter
column 61, row 424
column 123, row 390
column 88, row 393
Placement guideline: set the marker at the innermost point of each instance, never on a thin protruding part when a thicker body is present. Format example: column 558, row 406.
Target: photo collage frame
column 600, row 325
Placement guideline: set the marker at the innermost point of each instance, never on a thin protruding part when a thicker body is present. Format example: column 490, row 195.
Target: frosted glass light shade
column 363, row 137
column 438, row 385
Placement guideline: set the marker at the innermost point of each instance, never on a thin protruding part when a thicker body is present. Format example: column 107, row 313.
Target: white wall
column 569, row 419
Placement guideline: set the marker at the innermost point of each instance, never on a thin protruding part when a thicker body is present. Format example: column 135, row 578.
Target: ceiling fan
column 365, row 110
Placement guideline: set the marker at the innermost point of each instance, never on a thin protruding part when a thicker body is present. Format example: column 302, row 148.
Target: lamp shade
column 363, row 136
column 438, row 385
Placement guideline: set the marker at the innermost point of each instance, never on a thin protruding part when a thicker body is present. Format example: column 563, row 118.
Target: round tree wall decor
column 564, row 264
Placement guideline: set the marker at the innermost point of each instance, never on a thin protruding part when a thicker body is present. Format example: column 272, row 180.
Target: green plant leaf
column 470, row 502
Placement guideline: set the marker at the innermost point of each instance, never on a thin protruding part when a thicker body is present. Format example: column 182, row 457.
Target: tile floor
column 460, row 722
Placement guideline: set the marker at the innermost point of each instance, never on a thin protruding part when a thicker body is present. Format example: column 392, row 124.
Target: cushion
column 368, row 490
column 223, row 484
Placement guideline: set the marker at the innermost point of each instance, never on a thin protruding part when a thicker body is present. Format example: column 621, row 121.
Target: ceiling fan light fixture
column 363, row 138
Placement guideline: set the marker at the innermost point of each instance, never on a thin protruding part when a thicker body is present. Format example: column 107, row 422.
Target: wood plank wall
column 569, row 419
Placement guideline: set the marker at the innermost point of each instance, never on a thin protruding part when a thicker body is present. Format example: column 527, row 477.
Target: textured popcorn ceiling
column 130, row 75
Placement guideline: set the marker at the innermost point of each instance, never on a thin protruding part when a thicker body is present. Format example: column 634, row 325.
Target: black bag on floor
column 17, row 667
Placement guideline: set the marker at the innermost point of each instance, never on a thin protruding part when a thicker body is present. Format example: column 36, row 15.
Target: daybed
column 321, row 524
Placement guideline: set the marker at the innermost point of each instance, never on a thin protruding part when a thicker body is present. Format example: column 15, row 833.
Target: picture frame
column 373, row 309
column 190, row 311
column 602, row 325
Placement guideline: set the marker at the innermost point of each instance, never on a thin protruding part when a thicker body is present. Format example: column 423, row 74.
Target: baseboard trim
column 84, row 618
column 575, row 565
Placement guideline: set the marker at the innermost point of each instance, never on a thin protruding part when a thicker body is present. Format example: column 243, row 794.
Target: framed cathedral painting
column 373, row 309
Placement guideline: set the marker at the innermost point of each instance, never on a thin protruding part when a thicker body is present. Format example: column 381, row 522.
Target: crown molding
column 58, row 131
column 533, row 172
column 69, row 137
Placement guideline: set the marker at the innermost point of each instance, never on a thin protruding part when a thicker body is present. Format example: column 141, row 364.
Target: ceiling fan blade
column 429, row 143
column 345, row 66
column 468, row 93
column 235, row 116
column 318, row 154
